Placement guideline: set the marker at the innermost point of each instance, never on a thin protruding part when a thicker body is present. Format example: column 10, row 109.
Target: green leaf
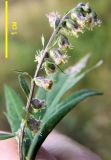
column 14, row 108
column 63, row 82
column 69, row 102
column 4, row 136
column 43, row 40
column 23, row 84
column 66, row 82
column 55, row 114
column 41, row 93
column 57, row 107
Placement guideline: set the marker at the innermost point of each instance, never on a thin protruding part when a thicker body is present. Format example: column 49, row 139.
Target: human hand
column 56, row 147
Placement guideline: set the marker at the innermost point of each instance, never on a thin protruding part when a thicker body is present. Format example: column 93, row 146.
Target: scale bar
column 6, row 28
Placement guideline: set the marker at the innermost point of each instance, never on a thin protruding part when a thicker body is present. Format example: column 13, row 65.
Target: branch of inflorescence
column 24, row 121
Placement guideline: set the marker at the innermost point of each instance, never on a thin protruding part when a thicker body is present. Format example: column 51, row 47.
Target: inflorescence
column 76, row 21
column 79, row 19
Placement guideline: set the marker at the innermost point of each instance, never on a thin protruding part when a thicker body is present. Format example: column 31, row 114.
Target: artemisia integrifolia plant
column 46, row 107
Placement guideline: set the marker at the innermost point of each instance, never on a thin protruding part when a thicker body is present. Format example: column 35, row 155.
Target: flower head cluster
column 80, row 18
column 63, row 42
column 74, row 22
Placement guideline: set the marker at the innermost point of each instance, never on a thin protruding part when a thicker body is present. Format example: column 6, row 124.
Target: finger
column 63, row 148
column 8, row 150
column 44, row 155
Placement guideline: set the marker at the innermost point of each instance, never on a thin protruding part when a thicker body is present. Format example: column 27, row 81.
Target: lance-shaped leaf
column 63, row 82
column 4, row 136
column 14, row 108
column 54, row 115
column 66, row 82
column 43, row 40
column 23, row 84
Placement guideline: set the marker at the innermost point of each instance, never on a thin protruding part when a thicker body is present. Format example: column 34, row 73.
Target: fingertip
column 8, row 149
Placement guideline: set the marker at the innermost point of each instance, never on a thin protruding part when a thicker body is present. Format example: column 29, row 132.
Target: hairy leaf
column 66, row 82
column 54, row 115
column 14, row 108
column 57, row 107
column 63, row 82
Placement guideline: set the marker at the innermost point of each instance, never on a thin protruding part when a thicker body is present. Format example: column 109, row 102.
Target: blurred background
column 90, row 122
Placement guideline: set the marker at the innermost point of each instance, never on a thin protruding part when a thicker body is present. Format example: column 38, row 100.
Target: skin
column 56, row 147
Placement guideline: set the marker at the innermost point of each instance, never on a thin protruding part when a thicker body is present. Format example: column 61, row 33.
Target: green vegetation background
column 90, row 122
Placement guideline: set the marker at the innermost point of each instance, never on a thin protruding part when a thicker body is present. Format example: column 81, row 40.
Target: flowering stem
column 23, row 124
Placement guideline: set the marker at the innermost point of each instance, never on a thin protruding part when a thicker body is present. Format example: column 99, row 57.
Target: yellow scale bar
column 6, row 28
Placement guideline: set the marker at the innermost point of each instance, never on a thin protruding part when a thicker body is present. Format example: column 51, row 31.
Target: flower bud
column 43, row 82
column 86, row 8
column 49, row 67
column 39, row 55
column 79, row 17
column 73, row 27
column 83, row 7
column 58, row 57
column 34, row 124
column 63, row 42
column 37, row 104
column 92, row 20
column 70, row 24
column 54, row 19
column 85, row 16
